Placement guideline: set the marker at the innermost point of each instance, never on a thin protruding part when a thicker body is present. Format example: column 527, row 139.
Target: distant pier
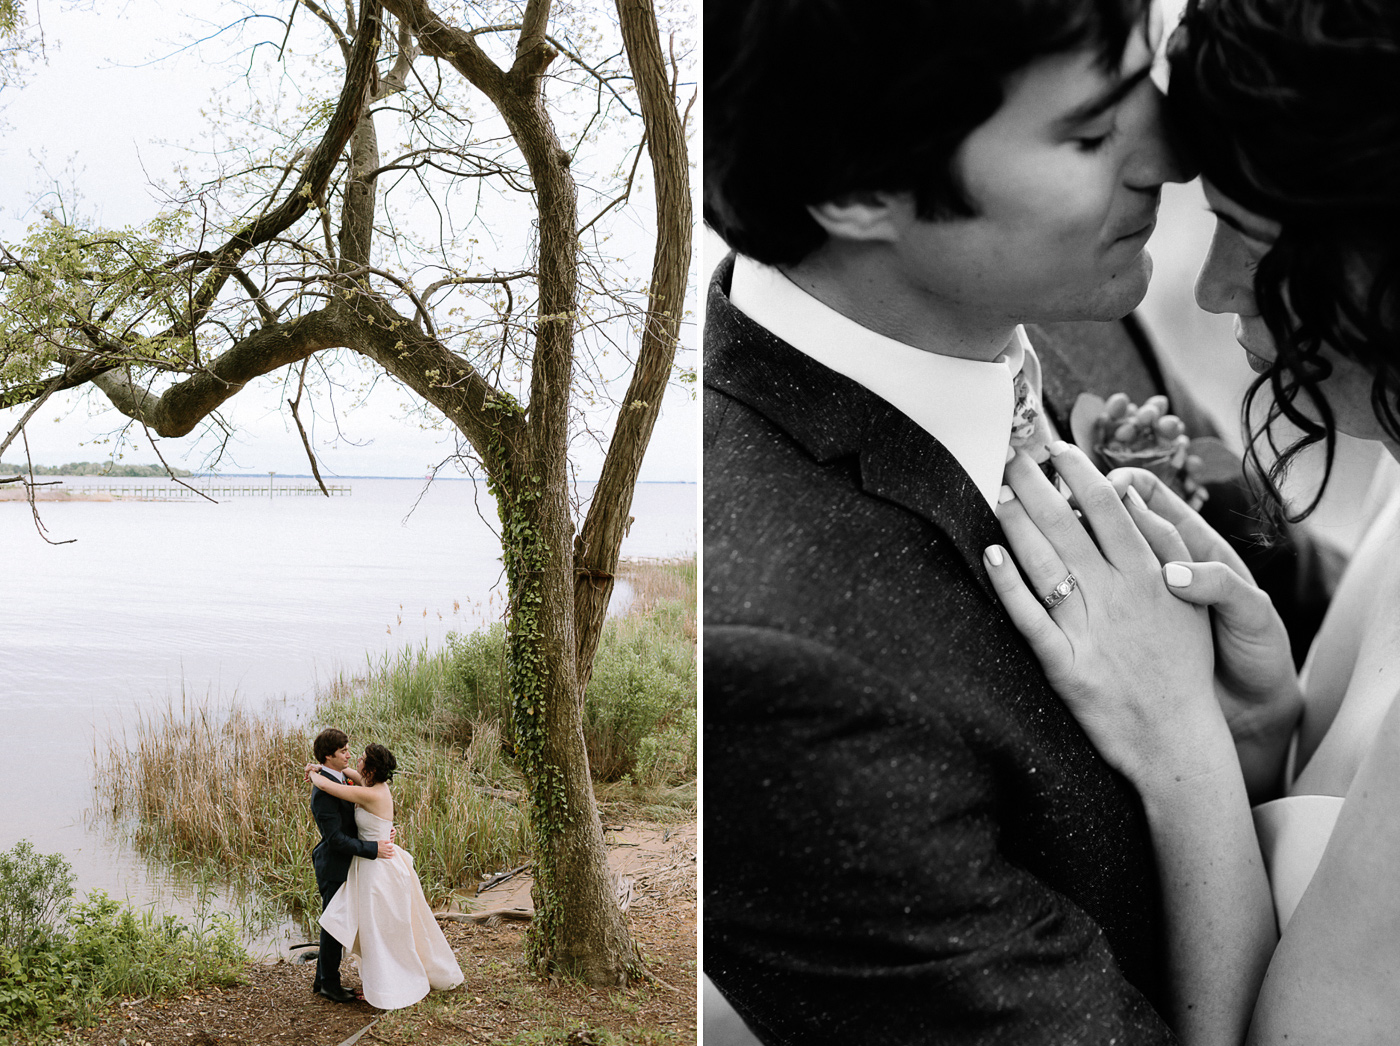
column 151, row 492
column 57, row 490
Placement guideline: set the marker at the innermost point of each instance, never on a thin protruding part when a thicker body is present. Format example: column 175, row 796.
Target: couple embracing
column 999, row 748
column 373, row 901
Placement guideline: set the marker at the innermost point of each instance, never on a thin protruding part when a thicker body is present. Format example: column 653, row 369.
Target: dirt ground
column 500, row 1001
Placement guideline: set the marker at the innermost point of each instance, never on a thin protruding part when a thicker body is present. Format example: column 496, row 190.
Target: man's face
column 1065, row 177
column 340, row 759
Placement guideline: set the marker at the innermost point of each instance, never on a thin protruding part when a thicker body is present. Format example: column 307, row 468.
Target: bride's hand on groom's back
column 1255, row 680
column 1131, row 661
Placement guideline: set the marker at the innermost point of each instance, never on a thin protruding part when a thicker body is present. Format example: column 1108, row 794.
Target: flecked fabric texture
column 907, row 837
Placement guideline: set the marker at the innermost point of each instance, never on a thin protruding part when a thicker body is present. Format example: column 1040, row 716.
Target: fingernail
column 993, row 554
column 1137, row 501
column 1177, row 575
column 1010, row 452
column 1007, row 494
column 1056, row 447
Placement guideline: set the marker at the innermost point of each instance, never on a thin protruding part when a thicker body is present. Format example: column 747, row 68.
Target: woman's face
column 1226, row 285
column 360, row 766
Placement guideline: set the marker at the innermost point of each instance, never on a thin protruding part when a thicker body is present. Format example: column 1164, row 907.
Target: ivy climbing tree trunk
column 75, row 312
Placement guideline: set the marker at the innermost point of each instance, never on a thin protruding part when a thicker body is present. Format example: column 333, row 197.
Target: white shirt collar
column 964, row 404
column 339, row 775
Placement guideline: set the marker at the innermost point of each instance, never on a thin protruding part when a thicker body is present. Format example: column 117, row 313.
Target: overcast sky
column 113, row 106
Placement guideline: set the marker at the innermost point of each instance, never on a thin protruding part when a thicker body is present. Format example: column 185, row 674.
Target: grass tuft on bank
column 222, row 793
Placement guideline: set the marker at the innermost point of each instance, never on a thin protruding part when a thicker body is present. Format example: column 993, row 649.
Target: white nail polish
column 1177, row 575
column 1010, row 452
column 994, row 555
column 1007, row 494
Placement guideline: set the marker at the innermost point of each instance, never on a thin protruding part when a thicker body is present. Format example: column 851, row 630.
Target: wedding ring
column 1061, row 592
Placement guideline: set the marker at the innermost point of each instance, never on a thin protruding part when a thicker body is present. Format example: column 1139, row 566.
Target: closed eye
column 1095, row 143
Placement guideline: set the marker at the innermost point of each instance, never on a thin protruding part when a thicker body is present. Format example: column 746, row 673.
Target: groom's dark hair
column 328, row 742
column 809, row 101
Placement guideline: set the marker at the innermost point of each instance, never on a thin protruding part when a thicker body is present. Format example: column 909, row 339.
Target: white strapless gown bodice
column 381, row 915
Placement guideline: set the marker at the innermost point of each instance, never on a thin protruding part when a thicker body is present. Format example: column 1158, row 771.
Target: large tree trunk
column 578, row 927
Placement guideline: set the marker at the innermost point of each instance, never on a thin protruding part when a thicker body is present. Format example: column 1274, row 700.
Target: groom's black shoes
column 335, row 993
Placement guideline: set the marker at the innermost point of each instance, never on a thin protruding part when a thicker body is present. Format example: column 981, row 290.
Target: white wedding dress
column 381, row 915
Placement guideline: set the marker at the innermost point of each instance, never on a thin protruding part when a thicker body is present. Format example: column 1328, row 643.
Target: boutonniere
column 1117, row 433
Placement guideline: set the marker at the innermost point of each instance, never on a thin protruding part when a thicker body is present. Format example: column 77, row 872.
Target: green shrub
column 639, row 709
column 67, row 969
column 476, row 682
column 41, row 986
column 34, row 894
column 643, row 685
column 141, row 953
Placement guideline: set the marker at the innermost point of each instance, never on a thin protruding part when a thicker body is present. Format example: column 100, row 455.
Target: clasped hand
column 1133, row 663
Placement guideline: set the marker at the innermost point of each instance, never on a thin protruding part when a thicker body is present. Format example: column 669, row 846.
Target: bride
column 380, row 914
column 1291, row 934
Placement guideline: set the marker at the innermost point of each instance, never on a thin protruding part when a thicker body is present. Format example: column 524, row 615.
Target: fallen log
column 518, row 914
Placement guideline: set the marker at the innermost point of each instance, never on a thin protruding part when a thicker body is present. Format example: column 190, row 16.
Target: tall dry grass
column 659, row 582
column 223, row 791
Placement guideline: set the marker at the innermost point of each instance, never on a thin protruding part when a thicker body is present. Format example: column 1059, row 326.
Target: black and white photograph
column 1050, row 532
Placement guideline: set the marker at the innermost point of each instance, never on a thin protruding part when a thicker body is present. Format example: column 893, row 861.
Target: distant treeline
column 92, row 468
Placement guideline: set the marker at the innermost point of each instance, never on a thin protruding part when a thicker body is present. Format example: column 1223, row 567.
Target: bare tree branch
column 177, row 410
column 305, row 440
column 53, row 386
column 314, row 176
column 336, row 31
column 440, row 40
column 600, row 537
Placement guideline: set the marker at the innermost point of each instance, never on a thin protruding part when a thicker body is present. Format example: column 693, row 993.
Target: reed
column 222, row 792
column 228, row 787
column 662, row 586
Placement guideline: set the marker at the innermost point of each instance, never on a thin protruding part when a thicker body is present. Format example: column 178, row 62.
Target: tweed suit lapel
column 1104, row 358
column 1100, row 358
column 833, row 417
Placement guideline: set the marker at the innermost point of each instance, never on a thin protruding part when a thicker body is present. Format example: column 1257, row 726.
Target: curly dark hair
column 807, row 101
column 1289, row 108
column 380, row 764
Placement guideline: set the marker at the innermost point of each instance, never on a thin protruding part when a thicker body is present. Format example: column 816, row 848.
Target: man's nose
column 1161, row 157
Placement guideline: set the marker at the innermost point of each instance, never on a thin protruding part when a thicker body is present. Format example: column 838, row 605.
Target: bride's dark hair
column 380, row 764
column 1289, row 107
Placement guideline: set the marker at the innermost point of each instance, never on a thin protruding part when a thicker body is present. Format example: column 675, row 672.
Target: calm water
column 253, row 599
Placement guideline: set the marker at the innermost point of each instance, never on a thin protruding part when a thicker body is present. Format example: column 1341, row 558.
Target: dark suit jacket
column 340, row 839
column 907, row 837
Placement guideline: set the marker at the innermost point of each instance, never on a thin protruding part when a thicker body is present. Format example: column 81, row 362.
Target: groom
column 340, row 841
column 908, row 839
